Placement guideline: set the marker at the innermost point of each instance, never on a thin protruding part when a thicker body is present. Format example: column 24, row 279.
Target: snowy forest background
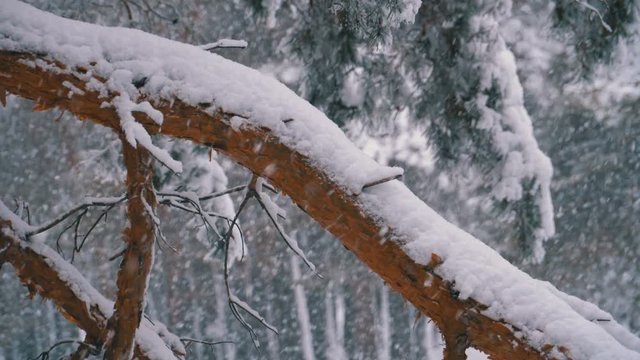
column 407, row 90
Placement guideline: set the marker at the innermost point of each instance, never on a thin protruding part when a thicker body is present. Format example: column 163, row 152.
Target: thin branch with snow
column 274, row 212
column 230, row 296
column 225, row 44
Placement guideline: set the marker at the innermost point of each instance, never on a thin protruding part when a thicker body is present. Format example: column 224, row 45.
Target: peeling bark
column 137, row 259
column 311, row 189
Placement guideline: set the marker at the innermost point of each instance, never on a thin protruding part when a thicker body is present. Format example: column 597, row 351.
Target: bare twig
column 81, row 210
column 274, row 220
column 45, row 355
column 222, row 193
column 254, row 190
column 381, row 181
column 154, row 12
column 75, row 224
column 118, row 254
column 89, row 202
column 127, row 8
column 26, row 209
column 78, row 247
column 156, row 225
column 85, row 349
column 188, row 341
column 192, row 199
column 230, row 296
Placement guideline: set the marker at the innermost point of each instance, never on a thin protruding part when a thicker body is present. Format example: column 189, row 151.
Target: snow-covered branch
column 225, row 44
column 463, row 285
column 44, row 272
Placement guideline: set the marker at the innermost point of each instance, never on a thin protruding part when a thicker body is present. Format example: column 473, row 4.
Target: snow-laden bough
column 474, row 296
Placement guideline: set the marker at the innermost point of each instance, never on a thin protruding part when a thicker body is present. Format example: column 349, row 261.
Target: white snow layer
column 176, row 70
column 409, row 10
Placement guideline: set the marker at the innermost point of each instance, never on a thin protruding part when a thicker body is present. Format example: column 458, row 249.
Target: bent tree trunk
column 137, row 258
column 370, row 232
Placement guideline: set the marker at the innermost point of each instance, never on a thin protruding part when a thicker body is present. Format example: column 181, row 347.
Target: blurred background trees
column 431, row 87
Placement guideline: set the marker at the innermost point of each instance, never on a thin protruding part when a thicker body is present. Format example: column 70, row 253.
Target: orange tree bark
column 38, row 272
column 461, row 321
column 137, row 259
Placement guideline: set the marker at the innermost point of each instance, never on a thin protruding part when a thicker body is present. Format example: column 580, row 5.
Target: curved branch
column 329, row 204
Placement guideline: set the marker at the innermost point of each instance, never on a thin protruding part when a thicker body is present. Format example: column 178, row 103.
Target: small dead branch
column 222, row 193
column 188, row 342
column 232, row 300
column 46, row 355
column 193, row 200
column 89, row 202
column 381, row 181
column 254, row 190
column 224, row 44
column 192, row 203
column 275, row 213
column 80, row 211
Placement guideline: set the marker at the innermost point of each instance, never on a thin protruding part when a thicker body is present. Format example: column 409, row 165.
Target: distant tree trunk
column 384, row 325
column 413, row 346
column 431, row 342
column 306, row 337
column 273, row 343
column 220, row 330
column 195, row 310
column 362, row 318
column 334, row 328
